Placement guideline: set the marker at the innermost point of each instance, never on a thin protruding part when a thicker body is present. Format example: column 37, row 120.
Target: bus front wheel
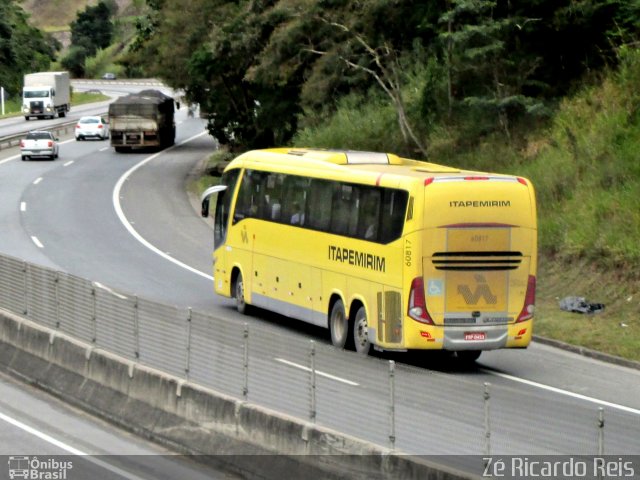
column 339, row 325
column 361, row 332
column 238, row 292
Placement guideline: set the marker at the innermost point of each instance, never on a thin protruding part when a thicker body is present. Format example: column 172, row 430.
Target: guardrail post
column 56, row 284
column 245, row 388
column 487, row 420
column 187, row 365
column 24, row 277
column 312, row 378
column 392, row 404
column 136, row 328
column 600, row 431
column 94, row 314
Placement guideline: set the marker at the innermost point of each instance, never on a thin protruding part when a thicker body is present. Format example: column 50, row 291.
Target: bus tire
column 468, row 356
column 339, row 325
column 361, row 332
column 238, row 293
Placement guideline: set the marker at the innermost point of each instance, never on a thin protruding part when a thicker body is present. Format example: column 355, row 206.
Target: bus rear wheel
column 361, row 332
column 339, row 325
column 238, row 293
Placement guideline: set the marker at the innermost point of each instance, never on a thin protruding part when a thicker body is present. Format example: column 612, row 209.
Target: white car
column 92, row 127
column 39, row 144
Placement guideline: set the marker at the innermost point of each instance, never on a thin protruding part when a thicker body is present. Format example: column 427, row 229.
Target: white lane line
column 564, row 392
column 318, row 372
column 67, row 163
column 104, row 149
column 67, row 448
column 37, row 242
column 37, row 180
column 128, row 225
column 8, row 159
column 41, row 435
column 23, row 206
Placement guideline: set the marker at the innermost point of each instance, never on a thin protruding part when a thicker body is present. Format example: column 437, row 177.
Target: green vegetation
column 91, row 31
column 23, row 48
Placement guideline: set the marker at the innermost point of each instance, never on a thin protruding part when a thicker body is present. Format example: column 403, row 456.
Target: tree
column 255, row 65
column 338, row 47
column 23, row 48
column 93, row 28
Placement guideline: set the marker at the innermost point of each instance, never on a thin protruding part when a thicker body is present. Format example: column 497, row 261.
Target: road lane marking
column 112, row 292
column 37, row 180
column 23, row 206
column 123, row 218
column 36, row 241
column 8, row 159
column 66, row 447
column 567, row 393
column 67, row 163
column 318, row 372
column 104, row 149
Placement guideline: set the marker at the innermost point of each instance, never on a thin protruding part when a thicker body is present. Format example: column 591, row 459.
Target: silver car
column 39, row 144
column 92, row 127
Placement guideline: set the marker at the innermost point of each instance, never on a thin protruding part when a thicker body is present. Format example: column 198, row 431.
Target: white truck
column 46, row 94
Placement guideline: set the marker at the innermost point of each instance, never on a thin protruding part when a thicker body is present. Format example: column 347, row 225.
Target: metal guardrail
column 393, row 406
column 13, row 140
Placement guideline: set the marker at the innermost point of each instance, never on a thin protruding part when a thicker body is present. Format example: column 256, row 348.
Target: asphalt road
column 127, row 222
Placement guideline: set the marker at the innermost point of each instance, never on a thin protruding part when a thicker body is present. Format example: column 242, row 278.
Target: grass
column 210, row 173
column 615, row 331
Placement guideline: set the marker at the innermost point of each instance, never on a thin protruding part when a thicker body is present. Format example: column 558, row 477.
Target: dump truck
column 142, row 120
column 46, row 94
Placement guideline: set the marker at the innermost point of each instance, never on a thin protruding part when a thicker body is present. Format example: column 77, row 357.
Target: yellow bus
column 386, row 252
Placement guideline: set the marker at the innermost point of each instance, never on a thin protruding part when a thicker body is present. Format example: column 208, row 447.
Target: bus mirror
column 205, row 198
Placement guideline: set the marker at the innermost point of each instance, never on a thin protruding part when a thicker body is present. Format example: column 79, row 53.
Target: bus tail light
column 417, row 304
column 529, row 301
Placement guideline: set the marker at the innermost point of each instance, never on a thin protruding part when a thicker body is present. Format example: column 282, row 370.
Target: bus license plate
column 474, row 336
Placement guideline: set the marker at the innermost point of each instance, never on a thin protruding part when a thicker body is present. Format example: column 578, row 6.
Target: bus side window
column 251, row 200
column 341, row 208
column 369, row 214
column 394, row 206
column 273, row 194
column 295, row 200
column 319, row 204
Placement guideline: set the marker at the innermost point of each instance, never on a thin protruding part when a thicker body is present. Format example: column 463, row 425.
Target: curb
column 587, row 352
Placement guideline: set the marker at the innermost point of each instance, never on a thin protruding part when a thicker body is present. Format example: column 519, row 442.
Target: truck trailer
column 142, row 120
column 46, row 94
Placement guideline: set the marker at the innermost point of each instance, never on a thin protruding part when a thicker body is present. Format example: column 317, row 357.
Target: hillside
column 55, row 16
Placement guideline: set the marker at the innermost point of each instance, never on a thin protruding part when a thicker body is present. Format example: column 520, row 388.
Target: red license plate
column 474, row 336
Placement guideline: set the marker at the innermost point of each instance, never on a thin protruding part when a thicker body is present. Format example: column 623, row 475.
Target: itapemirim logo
column 34, row 468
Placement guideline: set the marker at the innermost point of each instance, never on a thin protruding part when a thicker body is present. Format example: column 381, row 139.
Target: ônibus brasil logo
column 37, row 469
